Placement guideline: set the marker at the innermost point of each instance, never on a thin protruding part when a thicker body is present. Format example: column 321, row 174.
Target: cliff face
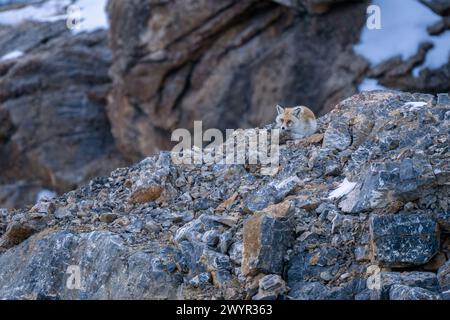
column 366, row 198
column 225, row 62
column 54, row 130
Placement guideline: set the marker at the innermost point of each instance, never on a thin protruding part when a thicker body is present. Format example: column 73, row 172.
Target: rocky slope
column 366, row 198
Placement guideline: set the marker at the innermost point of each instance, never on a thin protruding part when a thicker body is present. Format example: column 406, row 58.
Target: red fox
column 297, row 122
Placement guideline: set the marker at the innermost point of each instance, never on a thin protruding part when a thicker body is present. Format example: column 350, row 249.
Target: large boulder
column 54, row 130
column 403, row 239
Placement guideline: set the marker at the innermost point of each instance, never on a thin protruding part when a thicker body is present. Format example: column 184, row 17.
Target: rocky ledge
column 359, row 210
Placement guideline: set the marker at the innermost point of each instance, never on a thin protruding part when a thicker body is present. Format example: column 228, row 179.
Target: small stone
column 152, row 227
column 122, row 221
column 200, row 280
column 272, row 193
column 43, row 207
column 16, row 232
column 62, row 212
column 225, row 240
column 221, row 277
column 361, row 254
column 443, row 98
column 325, row 275
column 270, row 287
column 426, row 280
column 235, row 252
column 211, row 238
column 108, row 217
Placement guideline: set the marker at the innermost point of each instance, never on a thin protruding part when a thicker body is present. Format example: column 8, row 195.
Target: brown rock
column 146, row 194
column 267, row 235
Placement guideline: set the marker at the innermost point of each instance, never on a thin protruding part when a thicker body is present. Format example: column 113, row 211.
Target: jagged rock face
column 226, row 63
column 54, row 131
column 198, row 238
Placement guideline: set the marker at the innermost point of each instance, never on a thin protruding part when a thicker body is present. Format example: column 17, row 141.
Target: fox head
column 288, row 118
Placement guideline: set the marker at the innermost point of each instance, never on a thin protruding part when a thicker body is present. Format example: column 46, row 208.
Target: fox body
column 297, row 122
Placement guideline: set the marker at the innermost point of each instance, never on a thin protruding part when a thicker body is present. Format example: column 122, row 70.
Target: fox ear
column 298, row 111
column 280, row 109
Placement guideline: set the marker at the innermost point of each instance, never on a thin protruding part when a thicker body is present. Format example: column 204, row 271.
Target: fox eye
column 289, row 122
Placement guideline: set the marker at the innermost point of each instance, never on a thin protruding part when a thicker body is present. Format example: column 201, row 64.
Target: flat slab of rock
column 403, row 239
column 267, row 236
column 425, row 280
column 402, row 292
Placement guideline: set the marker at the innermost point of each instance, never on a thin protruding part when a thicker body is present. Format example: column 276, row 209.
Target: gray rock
column 201, row 280
column 425, row 280
column 108, row 270
column 443, row 218
column 443, row 98
column 267, row 236
column 444, row 276
column 225, row 240
column 108, row 217
column 270, row 287
column 235, row 252
column 337, row 136
column 211, row 238
column 403, row 239
column 272, row 193
column 402, row 292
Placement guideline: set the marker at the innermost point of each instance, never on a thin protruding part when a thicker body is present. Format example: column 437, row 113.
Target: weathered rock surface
column 54, row 131
column 425, row 280
column 404, row 239
column 444, row 276
column 267, row 236
column 163, row 55
column 401, row 292
column 198, row 240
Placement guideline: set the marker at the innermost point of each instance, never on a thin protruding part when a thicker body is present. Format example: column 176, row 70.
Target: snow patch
column 45, row 194
column 370, row 85
column 51, row 10
column 403, row 28
column 93, row 14
column 414, row 105
column 12, row 55
column 344, row 188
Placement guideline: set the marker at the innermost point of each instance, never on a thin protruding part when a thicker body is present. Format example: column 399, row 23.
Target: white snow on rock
column 45, row 194
column 50, row 10
column 403, row 28
column 92, row 13
column 12, row 55
column 344, row 188
column 370, row 85
column 414, row 105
